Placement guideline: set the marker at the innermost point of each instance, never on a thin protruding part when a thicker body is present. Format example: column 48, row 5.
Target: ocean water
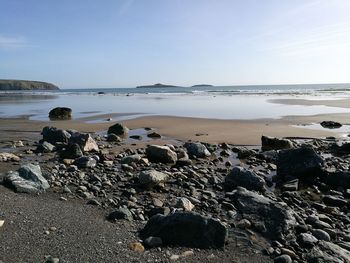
column 231, row 102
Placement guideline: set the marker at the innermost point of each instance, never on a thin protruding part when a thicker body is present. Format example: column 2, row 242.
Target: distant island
column 9, row 84
column 158, row 85
column 202, row 85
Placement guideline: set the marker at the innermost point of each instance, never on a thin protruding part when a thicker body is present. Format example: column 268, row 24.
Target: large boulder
column 60, row 113
column 273, row 219
column 271, row 143
column 118, row 129
column 28, row 179
column 300, row 163
column 54, row 135
column 240, row 176
column 85, row 141
column 186, row 229
column 162, row 154
column 197, row 149
column 151, row 178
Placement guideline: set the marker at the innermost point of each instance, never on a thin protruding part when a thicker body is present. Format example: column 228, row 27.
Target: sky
column 125, row 43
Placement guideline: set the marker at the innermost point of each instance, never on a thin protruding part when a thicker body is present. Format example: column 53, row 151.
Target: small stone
column 2, row 222
column 153, row 242
column 187, row 253
column 121, row 213
column 244, row 223
column 184, row 203
column 136, row 247
column 283, row 259
column 321, row 234
column 63, row 198
column 174, row 257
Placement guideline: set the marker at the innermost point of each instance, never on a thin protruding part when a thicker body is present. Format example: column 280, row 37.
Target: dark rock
column 85, row 162
column 136, row 137
column 28, row 179
column 113, row 138
column 154, row 135
column 306, row 240
column 240, row 176
column 153, row 242
column 337, row 178
column 186, row 229
column 197, row 149
column 273, row 219
column 121, row 213
column 45, row 147
column 331, row 124
column 300, row 163
column 60, row 113
column 72, row 151
column 291, row 185
column 270, row 143
column 85, row 141
column 334, row 201
column 131, row 159
column 321, row 234
column 162, row 154
column 54, row 135
column 283, row 259
column 118, row 129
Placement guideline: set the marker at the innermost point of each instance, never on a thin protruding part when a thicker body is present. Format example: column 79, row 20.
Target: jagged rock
column 273, row 219
column 28, row 179
column 45, row 147
column 328, row 252
column 54, row 135
column 186, row 229
column 118, row 129
column 85, row 141
column 197, row 149
column 151, row 178
column 271, row 143
column 240, row 176
column 184, row 204
column 5, row 157
column 162, row 154
column 72, row 151
column 60, row 113
column 331, row 124
column 301, row 163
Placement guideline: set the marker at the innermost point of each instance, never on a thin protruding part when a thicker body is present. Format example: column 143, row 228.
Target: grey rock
column 118, row 129
column 334, row 201
column 184, row 204
column 162, row 154
column 28, row 179
column 240, row 176
column 271, row 143
column 291, row 185
column 121, row 213
column 131, row 159
column 151, row 178
column 197, row 149
column 113, row 138
column 301, row 163
column 186, row 229
column 328, row 252
column 273, row 219
column 45, row 147
column 54, row 135
column 321, row 234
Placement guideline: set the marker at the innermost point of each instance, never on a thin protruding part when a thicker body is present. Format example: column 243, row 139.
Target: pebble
column 136, row 247
column 283, row 259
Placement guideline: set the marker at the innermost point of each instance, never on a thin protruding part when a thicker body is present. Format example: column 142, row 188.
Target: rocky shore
column 287, row 201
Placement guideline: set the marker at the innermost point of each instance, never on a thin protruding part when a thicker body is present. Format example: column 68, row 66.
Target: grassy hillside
column 26, row 85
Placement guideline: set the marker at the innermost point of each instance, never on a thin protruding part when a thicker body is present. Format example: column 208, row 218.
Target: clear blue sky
column 124, row 43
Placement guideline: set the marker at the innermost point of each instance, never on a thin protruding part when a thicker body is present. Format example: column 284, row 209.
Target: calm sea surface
column 231, row 102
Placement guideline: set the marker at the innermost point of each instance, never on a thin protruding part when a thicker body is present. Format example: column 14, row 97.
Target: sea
column 214, row 102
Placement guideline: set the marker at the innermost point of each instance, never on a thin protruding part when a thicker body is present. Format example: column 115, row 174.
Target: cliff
column 26, row 85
